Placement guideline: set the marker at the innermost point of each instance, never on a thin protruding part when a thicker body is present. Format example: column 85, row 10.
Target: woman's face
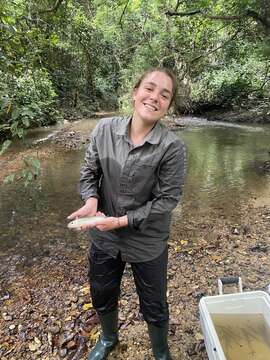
column 153, row 97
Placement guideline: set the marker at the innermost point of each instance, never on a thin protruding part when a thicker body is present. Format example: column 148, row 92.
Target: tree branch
column 177, row 5
column 217, row 48
column 122, row 15
column 146, row 39
column 189, row 13
column 265, row 81
column 248, row 13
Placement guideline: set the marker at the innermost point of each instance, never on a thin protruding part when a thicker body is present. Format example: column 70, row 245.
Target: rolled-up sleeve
column 91, row 170
column 168, row 189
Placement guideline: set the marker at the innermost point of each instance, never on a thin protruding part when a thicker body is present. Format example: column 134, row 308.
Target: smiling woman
column 132, row 177
column 152, row 98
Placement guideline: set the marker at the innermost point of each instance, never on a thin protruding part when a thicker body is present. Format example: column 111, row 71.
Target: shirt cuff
column 88, row 195
column 130, row 216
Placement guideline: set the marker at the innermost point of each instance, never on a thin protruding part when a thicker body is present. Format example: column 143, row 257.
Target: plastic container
column 241, row 304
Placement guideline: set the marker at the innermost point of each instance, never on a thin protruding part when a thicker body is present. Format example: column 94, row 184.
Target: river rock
column 5, row 297
column 235, row 231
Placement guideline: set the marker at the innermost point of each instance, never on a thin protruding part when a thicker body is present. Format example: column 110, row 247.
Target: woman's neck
column 139, row 130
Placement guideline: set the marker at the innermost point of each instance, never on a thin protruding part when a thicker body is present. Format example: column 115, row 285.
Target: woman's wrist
column 91, row 200
column 122, row 221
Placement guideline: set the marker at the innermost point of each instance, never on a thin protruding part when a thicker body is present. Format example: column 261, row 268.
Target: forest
column 59, row 56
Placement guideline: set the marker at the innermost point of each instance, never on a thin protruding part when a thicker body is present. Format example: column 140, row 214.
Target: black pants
column 105, row 274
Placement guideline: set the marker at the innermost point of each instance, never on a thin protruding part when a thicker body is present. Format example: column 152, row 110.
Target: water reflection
column 223, row 171
column 224, row 166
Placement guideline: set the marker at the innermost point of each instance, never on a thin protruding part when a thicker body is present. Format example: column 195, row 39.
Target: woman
column 133, row 173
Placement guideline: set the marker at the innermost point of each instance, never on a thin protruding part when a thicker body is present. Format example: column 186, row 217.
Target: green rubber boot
column 159, row 341
column 108, row 338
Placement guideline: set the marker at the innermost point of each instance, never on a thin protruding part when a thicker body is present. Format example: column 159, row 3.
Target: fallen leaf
column 183, row 242
column 87, row 306
column 85, row 290
column 94, row 335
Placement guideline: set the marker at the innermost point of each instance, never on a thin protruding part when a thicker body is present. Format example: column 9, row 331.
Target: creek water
column 225, row 169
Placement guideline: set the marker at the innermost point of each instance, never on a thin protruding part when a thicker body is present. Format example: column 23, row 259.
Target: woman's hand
column 111, row 223
column 89, row 209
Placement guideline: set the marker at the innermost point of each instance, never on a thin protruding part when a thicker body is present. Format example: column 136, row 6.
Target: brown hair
column 164, row 71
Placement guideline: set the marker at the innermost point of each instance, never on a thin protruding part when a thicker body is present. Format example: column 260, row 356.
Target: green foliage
column 238, row 84
column 26, row 101
column 27, row 96
column 87, row 55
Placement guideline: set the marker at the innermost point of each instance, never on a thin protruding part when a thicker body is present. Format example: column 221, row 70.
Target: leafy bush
column 26, row 101
column 235, row 85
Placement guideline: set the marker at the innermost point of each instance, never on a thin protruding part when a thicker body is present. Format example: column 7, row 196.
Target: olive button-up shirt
column 141, row 181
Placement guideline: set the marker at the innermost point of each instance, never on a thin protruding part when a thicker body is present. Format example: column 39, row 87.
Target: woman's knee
column 155, row 313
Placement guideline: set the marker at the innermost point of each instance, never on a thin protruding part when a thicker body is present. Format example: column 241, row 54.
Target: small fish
column 90, row 220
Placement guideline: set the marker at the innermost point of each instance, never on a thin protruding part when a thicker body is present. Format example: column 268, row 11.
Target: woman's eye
column 166, row 97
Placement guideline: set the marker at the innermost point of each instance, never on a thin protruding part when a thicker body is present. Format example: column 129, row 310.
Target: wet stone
column 235, row 231
column 6, row 296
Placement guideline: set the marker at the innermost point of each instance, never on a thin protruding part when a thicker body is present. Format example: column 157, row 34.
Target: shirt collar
column 155, row 134
column 153, row 137
column 122, row 128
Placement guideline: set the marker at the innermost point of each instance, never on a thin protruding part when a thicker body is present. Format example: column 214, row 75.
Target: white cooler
column 241, row 303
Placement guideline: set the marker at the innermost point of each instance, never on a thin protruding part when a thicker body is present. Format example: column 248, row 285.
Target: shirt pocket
column 143, row 171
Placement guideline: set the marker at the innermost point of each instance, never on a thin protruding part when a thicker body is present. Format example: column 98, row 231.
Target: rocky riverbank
column 46, row 310
column 239, row 116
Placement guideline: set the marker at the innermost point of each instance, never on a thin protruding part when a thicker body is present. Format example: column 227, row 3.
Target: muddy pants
column 105, row 274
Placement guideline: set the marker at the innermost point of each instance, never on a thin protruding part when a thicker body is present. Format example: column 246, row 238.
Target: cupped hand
column 89, row 209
